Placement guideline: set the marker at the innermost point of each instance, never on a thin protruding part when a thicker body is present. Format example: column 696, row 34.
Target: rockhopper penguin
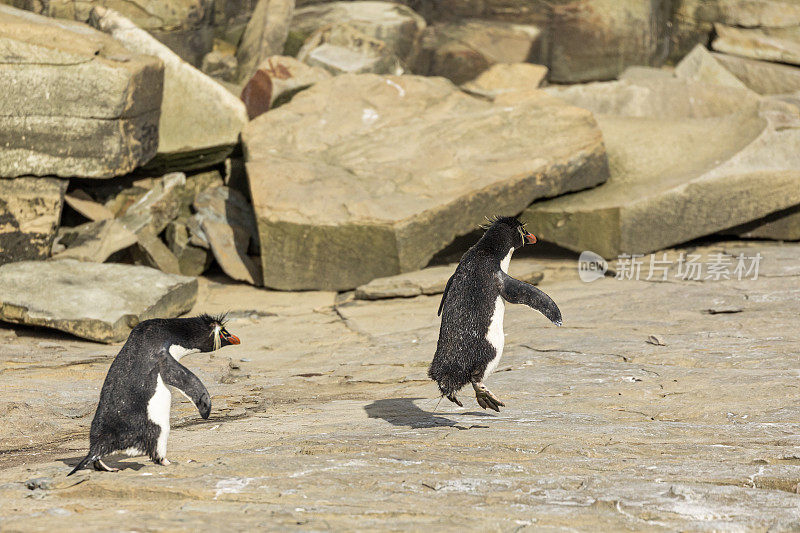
column 471, row 336
column 133, row 413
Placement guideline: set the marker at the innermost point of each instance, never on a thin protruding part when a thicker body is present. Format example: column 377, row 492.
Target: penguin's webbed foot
column 163, row 462
column 486, row 399
column 102, row 467
column 455, row 400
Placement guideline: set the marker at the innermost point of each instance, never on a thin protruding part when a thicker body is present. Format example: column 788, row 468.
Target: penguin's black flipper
column 518, row 292
column 175, row 374
column 444, row 295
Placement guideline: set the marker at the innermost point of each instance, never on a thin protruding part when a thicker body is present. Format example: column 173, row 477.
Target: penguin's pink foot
column 102, row 467
column 455, row 400
column 485, row 397
column 163, row 462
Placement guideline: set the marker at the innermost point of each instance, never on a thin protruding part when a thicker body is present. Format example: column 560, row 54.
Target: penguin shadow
column 403, row 412
column 121, row 461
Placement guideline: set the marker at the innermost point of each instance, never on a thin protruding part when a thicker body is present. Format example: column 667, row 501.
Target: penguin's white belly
column 158, row 412
column 177, row 351
column 495, row 336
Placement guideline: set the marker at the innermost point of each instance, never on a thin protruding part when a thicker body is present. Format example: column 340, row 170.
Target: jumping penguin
column 471, row 336
column 133, row 413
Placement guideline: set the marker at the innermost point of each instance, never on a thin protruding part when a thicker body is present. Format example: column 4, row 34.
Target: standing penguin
column 471, row 337
column 133, row 413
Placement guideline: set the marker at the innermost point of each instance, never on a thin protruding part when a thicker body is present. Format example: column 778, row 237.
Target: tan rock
column 775, row 45
column 461, row 50
column 157, row 207
column 276, row 81
column 762, row 76
column 507, row 77
column 94, row 241
column 151, row 251
column 83, row 204
column 343, row 49
column 30, row 209
column 200, row 120
column 364, row 176
column 682, row 166
column 781, row 226
column 74, row 103
column 264, row 35
column 702, row 67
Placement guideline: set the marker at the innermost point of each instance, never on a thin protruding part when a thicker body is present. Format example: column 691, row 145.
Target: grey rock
column 231, row 17
column 687, row 160
column 432, row 280
column 79, row 106
column 228, row 224
column 221, row 65
column 192, row 260
column 356, row 37
column 461, row 50
column 781, row 226
column 99, row 302
column 30, row 209
column 157, row 207
column 94, row 241
column 200, row 120
column 264, row 35
column 151, row 251
column 407, row 164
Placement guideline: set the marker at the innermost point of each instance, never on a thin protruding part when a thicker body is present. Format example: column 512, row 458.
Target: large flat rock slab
column 687, row 160
column 73, row 101
column 365, row 176
column 100, row 302
column 30, row 209
column 200, row 120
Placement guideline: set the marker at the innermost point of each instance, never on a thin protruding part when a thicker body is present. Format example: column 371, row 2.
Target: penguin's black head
column 506, row 233
column 210, row 334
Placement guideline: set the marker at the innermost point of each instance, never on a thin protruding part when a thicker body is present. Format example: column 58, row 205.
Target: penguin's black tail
column 85, row 461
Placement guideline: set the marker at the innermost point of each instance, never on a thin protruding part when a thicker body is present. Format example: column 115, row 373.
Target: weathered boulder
column 30, row 209
column 700, row 66
column 200, row 120
column 505, row 78
column 222, row 65
column 96, row 301
column 365, row 176
column 276, row 81
column 151, row 251
column 161, row 204
column 394, row 25
column 228, row 224
column 93, row 241
column 461, row 50
column 761, row 76
column 231, row 17
column 780, row 44
column 183, row 25
column 192, row 260
column 432, row 280
column 342, row 49
column 597, row 39
column 73, row 101
column 264, row 35
column 781, row 226
column 81, row 202
column 687, row 160
column 693, row 20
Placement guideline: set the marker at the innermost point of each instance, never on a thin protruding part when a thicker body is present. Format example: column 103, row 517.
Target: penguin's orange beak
column 233, row 339
column 530, row 238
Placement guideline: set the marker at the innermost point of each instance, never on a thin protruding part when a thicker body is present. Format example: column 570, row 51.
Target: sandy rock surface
column 323, row 417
